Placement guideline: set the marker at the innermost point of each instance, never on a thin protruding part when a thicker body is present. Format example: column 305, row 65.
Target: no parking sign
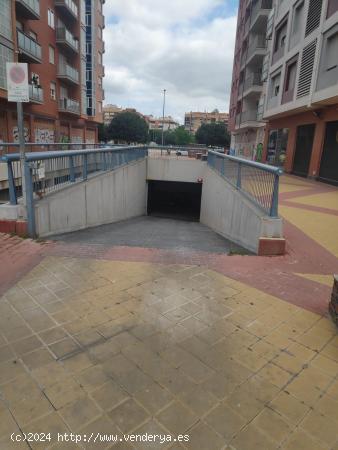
column 17, row 82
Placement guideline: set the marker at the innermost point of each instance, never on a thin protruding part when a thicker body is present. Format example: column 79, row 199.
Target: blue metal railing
column 46, row 172
column 258, row 182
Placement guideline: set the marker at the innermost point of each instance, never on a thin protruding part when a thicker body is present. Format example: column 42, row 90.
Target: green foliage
column 128, row 127
column 102, row 133
column 179, row 136
column 214, row 134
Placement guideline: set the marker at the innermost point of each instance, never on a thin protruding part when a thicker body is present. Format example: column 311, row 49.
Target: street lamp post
column 164, row 94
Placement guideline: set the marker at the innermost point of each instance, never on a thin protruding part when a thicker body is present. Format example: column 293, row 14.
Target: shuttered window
column 313, row 17
column 306, row 69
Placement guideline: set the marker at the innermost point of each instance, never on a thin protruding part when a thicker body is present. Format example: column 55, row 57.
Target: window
column 51, row 55
column 6, row 19
column 290, row 79
column 332, row 7
column 99, row 107
column 51, row 18
column 280, row 36
column 275, row 85
column 99, row 59
column 99, row 32
column 6, row 55
column 332, row 52
column 297, row 18
column 35, row 79
column 328, row 66
column 53, row 90
column 280, row 41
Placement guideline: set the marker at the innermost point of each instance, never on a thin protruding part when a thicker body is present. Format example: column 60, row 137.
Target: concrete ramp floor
column 155, row 232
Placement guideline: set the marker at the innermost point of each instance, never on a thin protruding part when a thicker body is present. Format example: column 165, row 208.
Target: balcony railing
column 258, row 43
column 30, row 9
column 65, row 37
column 253, row 80
column 69, row 105
column 261, row 6
column 69, row 7
column 35, row 93
column 68, row 73
column 249, row 116
column 30, row 50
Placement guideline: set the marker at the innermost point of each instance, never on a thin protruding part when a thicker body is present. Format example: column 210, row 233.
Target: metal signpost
column 18, row 91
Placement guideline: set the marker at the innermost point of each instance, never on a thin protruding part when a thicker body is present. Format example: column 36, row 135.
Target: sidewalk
column 236, row 352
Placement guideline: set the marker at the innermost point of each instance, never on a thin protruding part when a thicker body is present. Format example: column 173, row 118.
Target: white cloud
column 168, row 44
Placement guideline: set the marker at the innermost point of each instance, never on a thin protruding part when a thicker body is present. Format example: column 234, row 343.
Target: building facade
column 301, row 104
column 248, row 88
column 193, row 120
column 61, row 40
column 166, row 123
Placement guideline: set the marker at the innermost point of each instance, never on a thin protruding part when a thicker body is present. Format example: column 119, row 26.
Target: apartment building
column 301, row 104
column 61, row 40
column 193, row 120
column 110, row 111
column 166, row 123
column 247, row 89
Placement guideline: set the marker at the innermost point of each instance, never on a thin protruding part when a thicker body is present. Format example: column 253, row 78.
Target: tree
column 102, row 130
column 179, row 136
column 214, row 134
column 128, row 127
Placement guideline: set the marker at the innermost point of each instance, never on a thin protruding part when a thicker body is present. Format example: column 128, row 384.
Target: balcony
column 259, row 15
column 247, row 119
column 257, row 49
column 249, row 116
column 68, row 74
column 35, row 94
column 28, row 9
column 30, row 50
column 253, row 85
column 69, row 105
column 66, row 40
column 68, row 8
column 102, row 22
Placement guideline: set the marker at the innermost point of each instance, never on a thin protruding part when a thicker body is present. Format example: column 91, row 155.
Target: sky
column 183, row 46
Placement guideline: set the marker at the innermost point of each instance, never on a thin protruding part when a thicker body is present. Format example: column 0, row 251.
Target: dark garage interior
column 175, row 200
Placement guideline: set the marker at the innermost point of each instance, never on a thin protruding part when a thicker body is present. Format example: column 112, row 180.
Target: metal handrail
column 47, row 172
column 258, row 182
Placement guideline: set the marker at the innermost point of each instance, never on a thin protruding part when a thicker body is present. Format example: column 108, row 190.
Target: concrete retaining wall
column 105, row 198
column 229, row 213
column 171, row 169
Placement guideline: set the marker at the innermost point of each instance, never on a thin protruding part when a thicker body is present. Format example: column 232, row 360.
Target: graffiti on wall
column 44, row 136
column 16, row 134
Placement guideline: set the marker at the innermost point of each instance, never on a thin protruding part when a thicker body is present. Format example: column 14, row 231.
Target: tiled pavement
column 128, row 347
column 133, row 340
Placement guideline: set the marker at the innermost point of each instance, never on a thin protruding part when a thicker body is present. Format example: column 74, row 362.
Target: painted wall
column 106, row 198
column 229, row 213
column 180, row 169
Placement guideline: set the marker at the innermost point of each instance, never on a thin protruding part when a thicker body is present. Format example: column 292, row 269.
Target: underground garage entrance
column 176, row 200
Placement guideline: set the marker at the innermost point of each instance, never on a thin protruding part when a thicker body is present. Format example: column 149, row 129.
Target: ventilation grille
column 313, row 17
column 306, row 69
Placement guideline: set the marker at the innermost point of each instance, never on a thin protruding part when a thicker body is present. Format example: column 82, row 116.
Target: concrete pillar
column 317, row 149
column 290, row 149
